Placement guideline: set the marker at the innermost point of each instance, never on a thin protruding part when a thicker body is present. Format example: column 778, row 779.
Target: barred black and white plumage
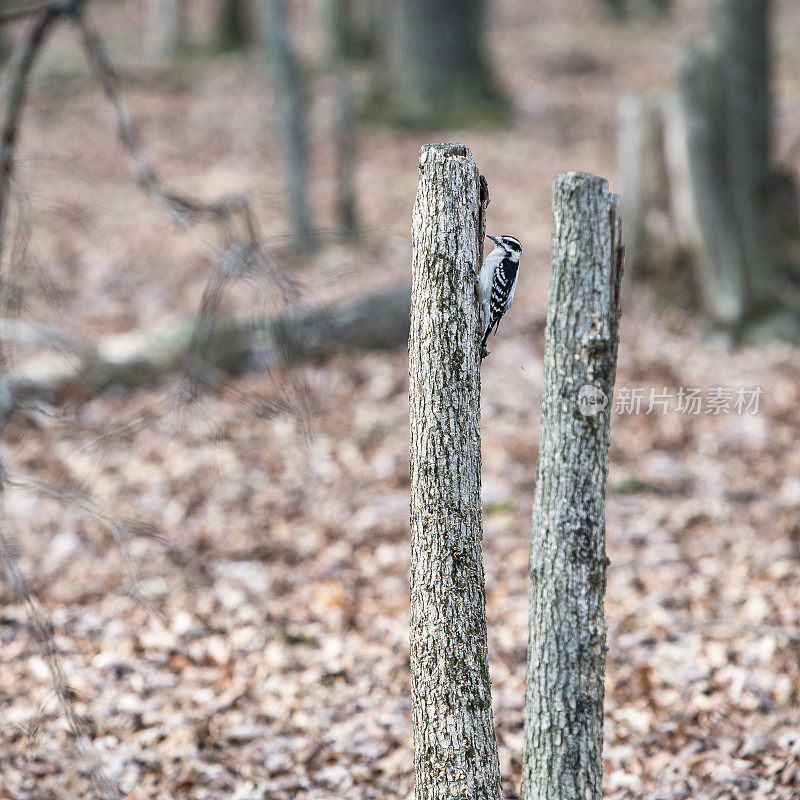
column 497, row 283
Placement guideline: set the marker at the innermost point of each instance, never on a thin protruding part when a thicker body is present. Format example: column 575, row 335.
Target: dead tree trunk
column 455, row 751
column 229, row 346
column 562, row 757
column 711, row 231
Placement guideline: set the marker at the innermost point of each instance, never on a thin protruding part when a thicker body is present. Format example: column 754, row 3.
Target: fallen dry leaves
column 271, row 657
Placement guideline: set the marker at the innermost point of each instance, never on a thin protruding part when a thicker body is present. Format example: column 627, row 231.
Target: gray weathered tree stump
column 455, row 751
column 562, row 757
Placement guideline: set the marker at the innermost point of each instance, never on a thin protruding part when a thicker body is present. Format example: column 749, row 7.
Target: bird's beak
column 492, row 238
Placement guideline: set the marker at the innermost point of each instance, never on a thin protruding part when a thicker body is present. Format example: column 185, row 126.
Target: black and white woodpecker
column 497, row 283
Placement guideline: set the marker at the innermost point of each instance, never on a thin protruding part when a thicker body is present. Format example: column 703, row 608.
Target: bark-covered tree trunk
column 166, row 26
column 438, row 69
column 289, row 84
column 562, row 757
column 455, row 751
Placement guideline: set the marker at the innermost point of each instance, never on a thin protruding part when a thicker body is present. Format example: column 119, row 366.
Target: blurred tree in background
column 288, row 78
column 166, row 27
column 713, row 218
column 437, row 71
column 235, row 27
column 625, row 9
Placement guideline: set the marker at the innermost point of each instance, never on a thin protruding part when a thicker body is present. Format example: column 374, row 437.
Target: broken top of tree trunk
column 455, row 752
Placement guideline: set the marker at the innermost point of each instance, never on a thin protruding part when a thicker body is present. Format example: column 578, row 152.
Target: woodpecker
column 497, row 282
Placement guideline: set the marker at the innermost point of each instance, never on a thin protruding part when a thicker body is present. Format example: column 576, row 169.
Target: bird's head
column 508, row 244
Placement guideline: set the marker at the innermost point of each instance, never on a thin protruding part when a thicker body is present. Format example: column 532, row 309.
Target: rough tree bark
column 455, row 751
column 562, row 757
column 292, row 117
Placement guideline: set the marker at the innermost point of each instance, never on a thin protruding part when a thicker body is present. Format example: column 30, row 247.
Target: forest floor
column 271, row 659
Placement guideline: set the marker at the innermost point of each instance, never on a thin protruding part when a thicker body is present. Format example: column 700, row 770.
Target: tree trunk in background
column 455, row 751
column 343, row 50
column 166, row 27
column 359, row 22
column 562, row 757
column 642, row 178
column 741, row 34
column 623, row 9
column 710, row 230
column 289, row 84
column 438, row 68
column 730, row 241
column 234, row 30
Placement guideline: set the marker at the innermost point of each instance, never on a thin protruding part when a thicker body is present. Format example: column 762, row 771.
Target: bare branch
column 15, row 103
column 184, row 209
column 16, row 9
column 239, row 255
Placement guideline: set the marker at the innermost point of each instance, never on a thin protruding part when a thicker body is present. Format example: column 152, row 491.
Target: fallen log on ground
column 221, row 345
